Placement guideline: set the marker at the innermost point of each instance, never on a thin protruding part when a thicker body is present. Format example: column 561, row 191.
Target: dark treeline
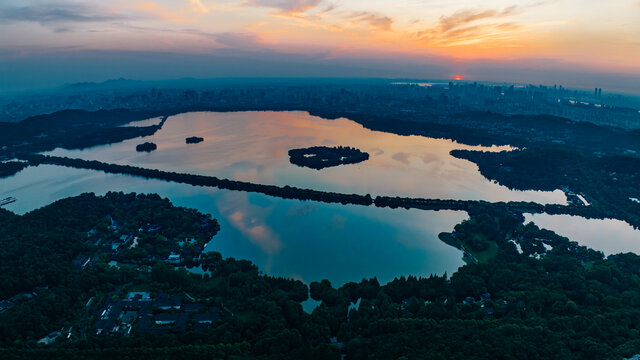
column 589, row 212
column 110, row 136
column 424, row 204
column 286, row 192
column 8, row 168
column 320, row 157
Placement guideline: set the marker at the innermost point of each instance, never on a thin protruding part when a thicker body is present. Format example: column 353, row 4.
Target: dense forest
column 539, row 296
column 39, row 247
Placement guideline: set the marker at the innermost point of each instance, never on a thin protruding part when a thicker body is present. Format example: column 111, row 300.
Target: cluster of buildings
column 487, row 310
column 611, row 110
column 574, row 199
column 187, row 249
column 142, row 313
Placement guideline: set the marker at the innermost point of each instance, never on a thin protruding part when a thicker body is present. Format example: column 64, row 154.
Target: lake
column 305, row 240
column 253, row 146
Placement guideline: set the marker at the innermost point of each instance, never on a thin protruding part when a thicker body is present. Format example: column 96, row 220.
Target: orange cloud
column 463, row 17
column 470, row 26
column 379, row 22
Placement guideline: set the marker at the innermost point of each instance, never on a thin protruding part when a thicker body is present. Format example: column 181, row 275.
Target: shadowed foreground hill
column 545, row 298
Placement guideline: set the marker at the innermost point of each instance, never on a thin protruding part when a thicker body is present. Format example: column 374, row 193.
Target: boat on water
column 7, row 200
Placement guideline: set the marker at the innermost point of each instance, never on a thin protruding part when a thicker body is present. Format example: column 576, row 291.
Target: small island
column 194, row 140
column 319, row 157
column 148, row 147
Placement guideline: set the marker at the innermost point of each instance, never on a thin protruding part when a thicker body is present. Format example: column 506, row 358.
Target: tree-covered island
column 146, row 147
column 320, row 157
column 194, row 140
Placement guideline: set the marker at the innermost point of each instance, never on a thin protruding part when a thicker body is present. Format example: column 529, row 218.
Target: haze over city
column 51, row 43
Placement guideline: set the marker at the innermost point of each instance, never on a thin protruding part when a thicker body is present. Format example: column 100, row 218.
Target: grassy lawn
column 482, row 256
column 486, row 255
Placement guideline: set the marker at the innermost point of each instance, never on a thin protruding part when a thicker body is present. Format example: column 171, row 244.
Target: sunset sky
column 589, row 41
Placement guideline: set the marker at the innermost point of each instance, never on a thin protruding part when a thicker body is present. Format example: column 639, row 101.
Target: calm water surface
column 252, row 146
column 301, row 239
column 607, row 235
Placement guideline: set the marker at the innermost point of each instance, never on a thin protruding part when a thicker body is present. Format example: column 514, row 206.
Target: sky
column 586, row 43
